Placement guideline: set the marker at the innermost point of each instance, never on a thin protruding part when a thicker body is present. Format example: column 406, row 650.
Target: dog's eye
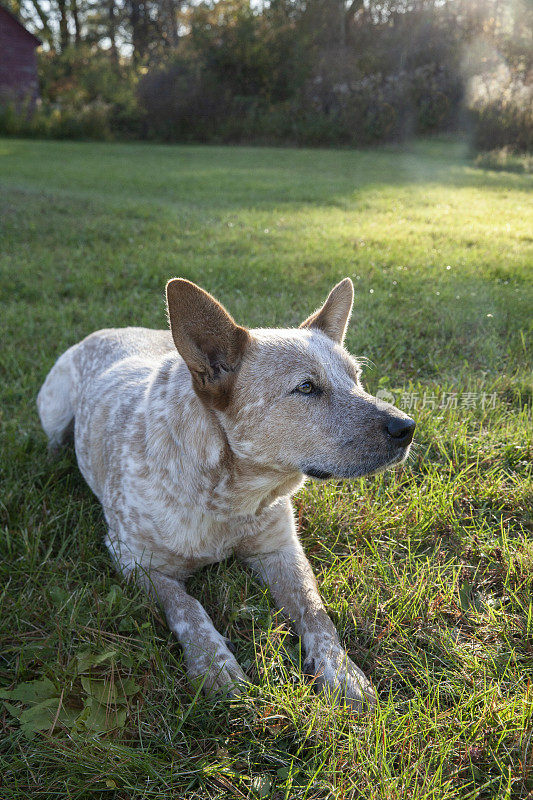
column 307, row 387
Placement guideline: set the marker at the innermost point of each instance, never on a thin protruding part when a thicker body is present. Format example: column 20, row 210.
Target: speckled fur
column 194, row 457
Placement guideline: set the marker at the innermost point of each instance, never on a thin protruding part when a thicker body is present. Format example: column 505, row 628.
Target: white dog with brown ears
column 194, row 439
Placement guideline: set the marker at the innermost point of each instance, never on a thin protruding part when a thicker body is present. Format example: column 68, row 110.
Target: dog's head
column 290, row 400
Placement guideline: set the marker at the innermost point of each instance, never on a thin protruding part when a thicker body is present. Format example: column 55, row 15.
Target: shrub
column 182, row 101
column 505, row 160
column 185, row 100
column 502, row 124
column 91, row 121
column 501, row 112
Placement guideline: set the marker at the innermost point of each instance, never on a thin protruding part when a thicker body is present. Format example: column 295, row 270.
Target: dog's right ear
column 208, row 339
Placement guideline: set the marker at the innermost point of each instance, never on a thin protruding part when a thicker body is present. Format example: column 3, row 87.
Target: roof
column 6, row 11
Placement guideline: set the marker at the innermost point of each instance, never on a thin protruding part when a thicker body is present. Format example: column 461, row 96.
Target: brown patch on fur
column 208, row 339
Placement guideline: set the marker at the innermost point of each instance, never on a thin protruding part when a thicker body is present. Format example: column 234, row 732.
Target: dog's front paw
column 335, row 675
column 215, row 668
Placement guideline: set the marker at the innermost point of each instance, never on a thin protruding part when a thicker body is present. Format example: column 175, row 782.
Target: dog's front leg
column 290, row 578
column 206, row 652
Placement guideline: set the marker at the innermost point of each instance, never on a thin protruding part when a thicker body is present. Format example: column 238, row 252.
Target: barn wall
column 18, row 62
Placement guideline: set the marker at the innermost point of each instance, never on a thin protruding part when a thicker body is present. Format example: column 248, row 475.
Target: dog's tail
column 54, row 401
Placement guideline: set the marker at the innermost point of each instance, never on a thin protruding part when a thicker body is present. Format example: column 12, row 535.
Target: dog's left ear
column 332, row 319
column 208, row 339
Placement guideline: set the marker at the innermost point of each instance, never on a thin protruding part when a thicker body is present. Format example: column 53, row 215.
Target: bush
column 501, row 111
column 91, row 121
column 185, row 100
column 84, row 96
column 505, row 160
column 502, row 124
column 181, row 101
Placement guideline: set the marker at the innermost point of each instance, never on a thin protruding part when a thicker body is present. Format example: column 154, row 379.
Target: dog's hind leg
column 290, row 578
column 208, row 659
column 54, row 402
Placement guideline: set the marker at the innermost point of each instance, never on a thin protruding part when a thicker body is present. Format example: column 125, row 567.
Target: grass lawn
column 427, row 571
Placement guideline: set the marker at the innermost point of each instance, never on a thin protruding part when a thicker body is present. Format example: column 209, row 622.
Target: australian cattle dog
column 194, row 440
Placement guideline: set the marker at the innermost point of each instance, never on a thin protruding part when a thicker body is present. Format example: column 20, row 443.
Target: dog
column 194, row 440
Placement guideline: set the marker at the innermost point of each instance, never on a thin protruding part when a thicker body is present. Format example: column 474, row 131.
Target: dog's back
column 74, row 369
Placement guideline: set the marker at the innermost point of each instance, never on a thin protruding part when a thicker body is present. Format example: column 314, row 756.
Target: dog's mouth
column 355, row 470
column 319, row 474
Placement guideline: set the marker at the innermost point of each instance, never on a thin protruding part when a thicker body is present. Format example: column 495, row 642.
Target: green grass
column 427, row 571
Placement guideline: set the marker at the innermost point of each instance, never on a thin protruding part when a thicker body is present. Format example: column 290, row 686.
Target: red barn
column 18, row 63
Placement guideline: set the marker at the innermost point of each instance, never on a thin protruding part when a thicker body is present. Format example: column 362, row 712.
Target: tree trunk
column 76, row 18
column 64, row 36
column 112, row 31
column 135, row 22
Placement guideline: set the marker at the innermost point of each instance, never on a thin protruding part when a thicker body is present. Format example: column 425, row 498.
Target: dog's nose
column 401, row 429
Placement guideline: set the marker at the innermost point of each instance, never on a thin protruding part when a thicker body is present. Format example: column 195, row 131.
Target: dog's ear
column 333, row 317
column 208, row 339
